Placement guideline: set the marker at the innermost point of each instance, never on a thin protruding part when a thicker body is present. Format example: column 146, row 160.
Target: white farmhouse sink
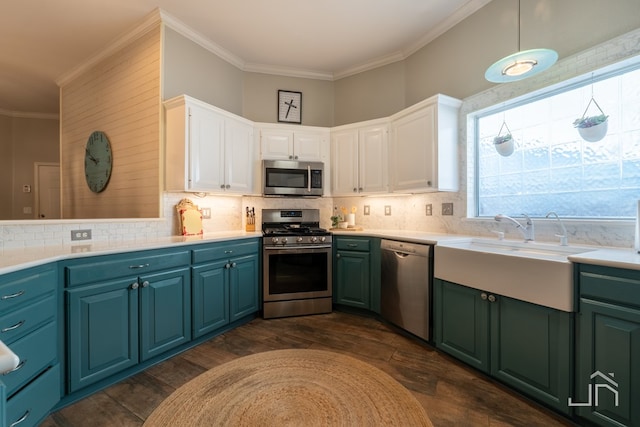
column 8, row 359
column 539, row 273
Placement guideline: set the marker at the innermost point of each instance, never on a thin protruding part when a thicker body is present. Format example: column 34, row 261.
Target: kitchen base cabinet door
column 461, row 319
column 210, row 297
column 165, row 312
column 243, row 287
column 352, row 276
column 531, row 350
column 103, row 331
column 609, row 364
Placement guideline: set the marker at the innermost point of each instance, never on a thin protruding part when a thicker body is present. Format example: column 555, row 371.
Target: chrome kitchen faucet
column 526, row 230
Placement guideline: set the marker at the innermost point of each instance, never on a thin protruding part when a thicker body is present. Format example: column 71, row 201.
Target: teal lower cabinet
column 113, row 322
column 29, row 308
column 524, row 345
column 226, row 283
column 608, row 346
column 357, row 272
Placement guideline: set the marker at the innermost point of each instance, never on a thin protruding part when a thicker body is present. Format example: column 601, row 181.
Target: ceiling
column 43, row 40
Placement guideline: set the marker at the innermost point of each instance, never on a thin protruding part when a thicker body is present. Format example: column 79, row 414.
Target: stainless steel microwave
column 292, row 178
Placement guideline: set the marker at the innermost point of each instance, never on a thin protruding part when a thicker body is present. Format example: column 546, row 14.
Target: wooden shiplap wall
column 121, row 96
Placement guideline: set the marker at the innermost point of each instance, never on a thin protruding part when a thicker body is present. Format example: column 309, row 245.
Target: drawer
column 36, row 351
column 35, row 401
column 19, row 322
column 354, row 244
column 23, row 287
column 224, row 250
column 133, row 264
column 622, row 288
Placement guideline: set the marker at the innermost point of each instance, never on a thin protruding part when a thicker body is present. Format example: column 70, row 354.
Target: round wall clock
column 289, row 106
column 97, row 161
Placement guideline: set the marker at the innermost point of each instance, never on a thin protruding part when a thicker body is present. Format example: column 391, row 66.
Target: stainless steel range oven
column 296, row 260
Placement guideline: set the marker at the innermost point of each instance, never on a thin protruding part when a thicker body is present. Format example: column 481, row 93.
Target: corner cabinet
column 526, row 346
column 424, row 146
column 357, row 272
column 608, row 346
column 360, row 159
column 124, row 309
column 225, row 279
column 207, row 149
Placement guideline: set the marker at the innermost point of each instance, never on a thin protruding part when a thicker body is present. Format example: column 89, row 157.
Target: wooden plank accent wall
column 121, row 96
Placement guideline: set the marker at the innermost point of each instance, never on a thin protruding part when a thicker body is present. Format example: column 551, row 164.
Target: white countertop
column 16, row 259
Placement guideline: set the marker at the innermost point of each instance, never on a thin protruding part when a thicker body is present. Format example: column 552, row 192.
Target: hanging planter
column 592, row 128
column 504, row 143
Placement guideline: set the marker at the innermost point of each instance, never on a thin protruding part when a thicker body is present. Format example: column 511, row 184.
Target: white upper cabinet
column 424, row 146
column 207, row 149
column 281, row 142
column 360, row 159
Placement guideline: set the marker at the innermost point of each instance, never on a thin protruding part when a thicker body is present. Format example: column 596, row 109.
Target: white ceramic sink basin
column 8, row 359
column 539, row 273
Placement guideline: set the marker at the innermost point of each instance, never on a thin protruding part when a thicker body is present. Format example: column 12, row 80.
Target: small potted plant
column 504, row 144
column 335, row 220
column 592, row 128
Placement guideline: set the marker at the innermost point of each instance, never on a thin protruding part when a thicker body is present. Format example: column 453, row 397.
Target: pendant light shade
column 522, row 64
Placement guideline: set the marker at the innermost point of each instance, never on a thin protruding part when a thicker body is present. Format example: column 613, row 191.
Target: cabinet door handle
column 483, row 296
column 133, row 267
column 290, row 157
column 233, row 265
column 337, row 255
column 360, row 190
column 20, row 366
column 492, row 298
column 134, row 285
column 355, row 190
column 11, row 328
column 227, row 186
column 145, row 284
column 21, row 419
column 227, row 265
column 16, row 295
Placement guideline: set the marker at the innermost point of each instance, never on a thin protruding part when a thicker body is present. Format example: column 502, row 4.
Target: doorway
column 47, row 191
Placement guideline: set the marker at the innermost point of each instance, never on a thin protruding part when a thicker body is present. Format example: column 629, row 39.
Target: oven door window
column 298, row 272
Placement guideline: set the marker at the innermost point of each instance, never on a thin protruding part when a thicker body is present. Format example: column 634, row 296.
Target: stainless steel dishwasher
column 407, row 275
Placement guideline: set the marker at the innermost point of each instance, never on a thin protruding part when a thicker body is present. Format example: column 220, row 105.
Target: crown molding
column 148, row 23
column 458, row 16
column 181, row 28
column 287, row 71
column 371, row 65
column 25, row 115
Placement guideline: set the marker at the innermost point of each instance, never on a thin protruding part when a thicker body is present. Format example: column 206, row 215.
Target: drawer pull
column 20, row 366
column 353, row 245
column 228, row 252
column 133, row 267
column 21, row 419
column 11, row 328
column 16, row 295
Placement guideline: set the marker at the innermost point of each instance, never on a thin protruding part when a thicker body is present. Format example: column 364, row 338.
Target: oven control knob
column 314, row 239
column 323, row 239
column 299, row 240
column 284, row 240
column 274, row 240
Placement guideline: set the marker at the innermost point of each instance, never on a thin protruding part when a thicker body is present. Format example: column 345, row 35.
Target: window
column 552, row 168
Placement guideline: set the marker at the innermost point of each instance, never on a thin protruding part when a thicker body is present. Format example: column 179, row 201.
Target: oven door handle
column 294, row 248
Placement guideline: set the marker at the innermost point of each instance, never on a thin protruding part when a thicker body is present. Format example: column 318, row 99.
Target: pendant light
column 522, row 64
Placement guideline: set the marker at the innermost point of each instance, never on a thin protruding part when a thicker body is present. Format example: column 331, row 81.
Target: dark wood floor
column 451, row 393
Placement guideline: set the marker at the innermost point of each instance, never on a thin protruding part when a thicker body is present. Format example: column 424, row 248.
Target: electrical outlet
column 206, row 213
column 387, row 210
column 447, row 209
column 81, row 234
column 429, row 209
column 367, row 210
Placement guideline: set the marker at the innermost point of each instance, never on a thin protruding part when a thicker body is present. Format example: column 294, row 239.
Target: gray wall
column 453, row 64
column 261, row 98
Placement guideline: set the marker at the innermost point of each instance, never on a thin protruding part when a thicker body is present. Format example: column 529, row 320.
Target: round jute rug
column 291, row 388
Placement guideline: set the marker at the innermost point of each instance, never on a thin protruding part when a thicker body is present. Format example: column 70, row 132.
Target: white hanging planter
column 592, row 128
column 505, row 145
column 594, row 133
